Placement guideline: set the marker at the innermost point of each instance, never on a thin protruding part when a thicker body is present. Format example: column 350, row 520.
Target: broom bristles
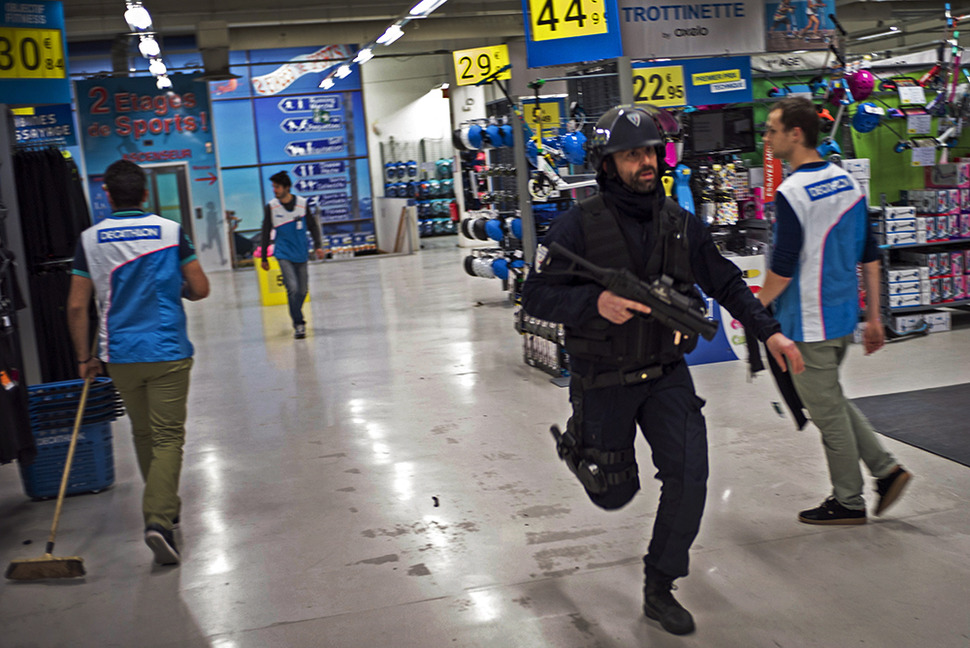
column 47, row 566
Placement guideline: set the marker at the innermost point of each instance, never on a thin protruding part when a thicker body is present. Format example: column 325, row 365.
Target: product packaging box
column 859, row 168
column 893, row 211
column 900, row 238
column 946, row 288
column 965, row 225
column 901, row 273
column 947, row 175
column 887, row 225
column 957, row 263
column 938, row 322
column 904, row 287
column 959, row 287
column 942, row 228
column 922, row 229
column 953, row 226
column 902, row 301
column 907, row 323
column 935, row 290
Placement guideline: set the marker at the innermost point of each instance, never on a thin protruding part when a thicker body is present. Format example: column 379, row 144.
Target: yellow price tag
column 473, row 65
column 660, row 86
column 31, row 54
column 552, row 19
column 545, row 119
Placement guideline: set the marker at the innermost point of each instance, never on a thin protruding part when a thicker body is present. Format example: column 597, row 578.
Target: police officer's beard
column 641, row 185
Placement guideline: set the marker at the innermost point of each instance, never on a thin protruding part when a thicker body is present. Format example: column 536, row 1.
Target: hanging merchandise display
column 53, row 212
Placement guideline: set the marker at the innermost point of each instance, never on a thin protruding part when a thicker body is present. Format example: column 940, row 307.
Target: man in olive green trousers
column 140, row 266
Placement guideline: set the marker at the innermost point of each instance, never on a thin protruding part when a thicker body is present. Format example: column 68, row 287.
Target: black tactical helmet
column 629, row 127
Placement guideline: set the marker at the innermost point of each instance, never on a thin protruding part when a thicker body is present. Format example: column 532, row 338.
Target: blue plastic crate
column 92, row 470
column 68, row 390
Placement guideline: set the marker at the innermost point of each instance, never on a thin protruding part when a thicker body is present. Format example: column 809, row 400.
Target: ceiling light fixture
column 149, row 47
column 390, row 35
column 157, row 67
column 137, row 17
column 425, row 7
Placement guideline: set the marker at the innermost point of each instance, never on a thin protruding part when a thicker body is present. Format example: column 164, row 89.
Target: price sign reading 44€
column 473, row 65
column 551, row 19
column 31, row 54
column 660, row 86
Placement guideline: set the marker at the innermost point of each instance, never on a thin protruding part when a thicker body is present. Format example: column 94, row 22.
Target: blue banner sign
column 701, row 82
column 319, row 168
column 310, row 125
column 45, row 125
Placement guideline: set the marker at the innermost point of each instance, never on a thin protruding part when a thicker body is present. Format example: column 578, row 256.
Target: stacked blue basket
column 53, row 408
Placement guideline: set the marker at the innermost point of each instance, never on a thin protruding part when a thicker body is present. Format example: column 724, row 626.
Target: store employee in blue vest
column 140, row 266
column 290, row 217
column 821, row 234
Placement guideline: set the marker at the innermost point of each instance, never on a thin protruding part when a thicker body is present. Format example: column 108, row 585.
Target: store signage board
column 655, row 30
column 798, row 25
column 789, row 61
column 33, row 64
column 558, row 32
column 52, row 124
column 693, row 82
column 662, row 85
column 474, row 65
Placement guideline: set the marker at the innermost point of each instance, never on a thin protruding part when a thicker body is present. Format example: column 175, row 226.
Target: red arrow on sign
column 211, row 178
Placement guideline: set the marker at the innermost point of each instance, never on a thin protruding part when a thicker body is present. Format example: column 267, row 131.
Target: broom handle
column 67, row 465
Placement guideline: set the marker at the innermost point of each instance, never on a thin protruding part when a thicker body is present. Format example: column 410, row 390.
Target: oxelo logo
column 693, row 31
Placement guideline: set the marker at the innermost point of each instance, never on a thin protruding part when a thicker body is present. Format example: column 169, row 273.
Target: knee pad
column 620, row 478
column 616, row 495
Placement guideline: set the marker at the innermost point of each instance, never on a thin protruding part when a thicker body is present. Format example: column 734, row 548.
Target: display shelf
column 929, row 307
column 910, row 246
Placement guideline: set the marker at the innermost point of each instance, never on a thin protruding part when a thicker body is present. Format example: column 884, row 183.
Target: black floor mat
column 936, row 420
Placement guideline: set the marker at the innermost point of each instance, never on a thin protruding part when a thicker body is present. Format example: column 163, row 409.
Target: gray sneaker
column 162, row 543
column 299, row 332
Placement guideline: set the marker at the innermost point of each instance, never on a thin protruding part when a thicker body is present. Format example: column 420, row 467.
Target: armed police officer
column 627, row 368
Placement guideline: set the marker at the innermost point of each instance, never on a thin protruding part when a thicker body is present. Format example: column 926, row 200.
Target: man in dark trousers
column 290, row 217
column 627, row 368
column 140, row 266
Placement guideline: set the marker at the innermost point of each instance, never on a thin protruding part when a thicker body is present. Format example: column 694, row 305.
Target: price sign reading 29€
column 660, row 86
column 473, row 65
column 551, row 19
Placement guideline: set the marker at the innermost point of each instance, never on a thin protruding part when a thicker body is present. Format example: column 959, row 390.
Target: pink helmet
column 861, row 83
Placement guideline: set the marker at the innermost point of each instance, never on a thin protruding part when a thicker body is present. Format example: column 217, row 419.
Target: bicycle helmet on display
column 861, row 83
column 629, row 127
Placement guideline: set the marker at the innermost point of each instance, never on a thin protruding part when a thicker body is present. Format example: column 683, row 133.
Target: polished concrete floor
column 390, row 481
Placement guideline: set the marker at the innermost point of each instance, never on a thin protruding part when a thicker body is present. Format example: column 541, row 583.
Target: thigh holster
column 592, row 466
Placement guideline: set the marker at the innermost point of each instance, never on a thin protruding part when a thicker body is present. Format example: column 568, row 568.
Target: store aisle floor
column 390, row 481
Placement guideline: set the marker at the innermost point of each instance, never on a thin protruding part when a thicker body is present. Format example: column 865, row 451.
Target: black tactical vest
column 640, row 342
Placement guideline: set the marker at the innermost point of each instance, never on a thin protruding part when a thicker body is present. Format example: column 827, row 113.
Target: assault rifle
column 668, row 306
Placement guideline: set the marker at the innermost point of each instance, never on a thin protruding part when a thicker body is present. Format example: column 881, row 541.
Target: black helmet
column 629, row 127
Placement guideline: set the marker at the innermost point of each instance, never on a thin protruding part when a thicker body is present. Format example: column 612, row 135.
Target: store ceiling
column 457, row 24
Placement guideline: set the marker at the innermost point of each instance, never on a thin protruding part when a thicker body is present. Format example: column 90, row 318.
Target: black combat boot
column 659, row 604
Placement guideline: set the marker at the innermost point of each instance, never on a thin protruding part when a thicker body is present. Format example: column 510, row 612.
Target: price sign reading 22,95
column 473, row 65
column 551, row 19
column 31, row 54
column 660, row 86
